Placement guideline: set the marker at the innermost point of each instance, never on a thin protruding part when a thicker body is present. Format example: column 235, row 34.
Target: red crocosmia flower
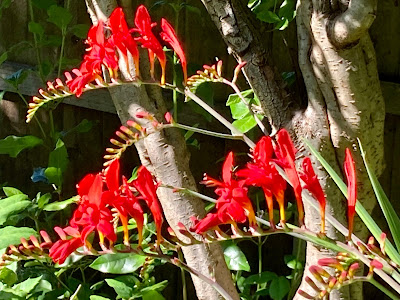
column 233, row 200
column 285, row 153
column 168, row 34
column 64, row 247
column 147, row 189
column 121, row 37
column 350, row 172
column 123, row 200
column 263, row 174
column 311, row 183
column 92, row 214
column 100, row 53
column 149, row 41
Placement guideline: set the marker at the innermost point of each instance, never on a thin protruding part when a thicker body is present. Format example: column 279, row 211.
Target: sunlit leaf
column 235, row 258
column 118, row 263
column 55, row 206
column 13, row 145
column 58, row 162
column 12, row 205
column 11, row 235
column 10, row 191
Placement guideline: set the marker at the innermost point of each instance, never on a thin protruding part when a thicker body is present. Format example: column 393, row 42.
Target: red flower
column 122, row 39
column 92, row 214
column 147, row 189
column 149, row 41
column 285, row 153
column 350, row 171
column 64, row 247
column 311, row 183
column 123, row 200
column 263, row 174
column 233, row 202
column 168, row 34
column 101, row 53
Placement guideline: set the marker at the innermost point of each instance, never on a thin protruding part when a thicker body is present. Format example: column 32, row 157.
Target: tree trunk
column 338, row 65
column 166, row 156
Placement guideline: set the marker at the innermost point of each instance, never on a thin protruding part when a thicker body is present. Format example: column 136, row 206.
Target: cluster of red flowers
column 233, row 205
column 98, row 194
column 103, row 52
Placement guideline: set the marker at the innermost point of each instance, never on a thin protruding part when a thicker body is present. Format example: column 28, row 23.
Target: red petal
column 227, row 168
column 96, row 190
column 112, row 176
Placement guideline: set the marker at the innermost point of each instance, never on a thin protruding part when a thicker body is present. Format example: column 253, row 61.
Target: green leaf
column 11, row 235
column 390, row 214
column 122, row 289
column 118, row 263
column 17, row 77
column 247, row 123
column 268, row 17
column 25, row 287
column 234, row 98
column 2, row 95
column 43, row 200
column 292, row 262
column 59, row 16
column 58, row 162
column 235, row 258
column 8, row 276
column 83, row 127
column 44, row 4
column 96, row 297
column 13, row 145
column 134, row 174
column 155, row 287
column 10, row 191
column 279, row 288
column 36, row 28
column 80, row 30
column 289, row 77
column 261, row 278
column 55, row 206
column 362, row 213
column 12, row 205
column 152, row 295
column 288, row 10
column 3, row 57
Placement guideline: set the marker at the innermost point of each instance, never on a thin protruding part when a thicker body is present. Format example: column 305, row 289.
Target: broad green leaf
column 247, row 123
column 55, row 206
column 36, row 28
column 261, row 278
column 118, row 263
column 11, row 235
column 362, row 213
column 122, row 289
column 288, row 9
column 13, row 145
column 12, row 205
column 80, row 30
column 58, row 162
column 25, row 287
column 59, row 16
column 96, row 297
column 239, row 110
column 234, row 98
column 390, row 214
column 279, row 288
column 8, row 276
column 42, row 200
column 83, row 127
column 235, row 258
column 292, row 262
column 152, row 295
column 3, row 57
column 10, row 191
column 268, row 17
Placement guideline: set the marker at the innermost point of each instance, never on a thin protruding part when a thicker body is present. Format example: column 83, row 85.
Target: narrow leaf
column 55, row 206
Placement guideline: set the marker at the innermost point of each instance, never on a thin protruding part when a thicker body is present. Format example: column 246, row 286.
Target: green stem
column 63, row 33
column 35, row 40
column 36, row 119
column 51, row 121
column 383, row 289
column 203, row 131
column 220, row 118
column 183, row 277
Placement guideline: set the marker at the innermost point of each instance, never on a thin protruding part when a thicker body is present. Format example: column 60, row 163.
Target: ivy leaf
column 279, row 288
column 58, row 162
column 10, row 191
column 118, row 263
column 11, row 235
column 59, row 16
column 80, row 30
column 55, row 206
column 13, row 145
column 12, row 205
column 235, row 258
column 36, row 28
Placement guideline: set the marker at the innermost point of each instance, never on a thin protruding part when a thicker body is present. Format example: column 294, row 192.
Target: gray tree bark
column 166, row 156
column 338, row 65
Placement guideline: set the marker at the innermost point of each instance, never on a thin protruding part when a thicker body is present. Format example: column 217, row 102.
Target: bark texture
column 338, row 65
column 166, row 156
